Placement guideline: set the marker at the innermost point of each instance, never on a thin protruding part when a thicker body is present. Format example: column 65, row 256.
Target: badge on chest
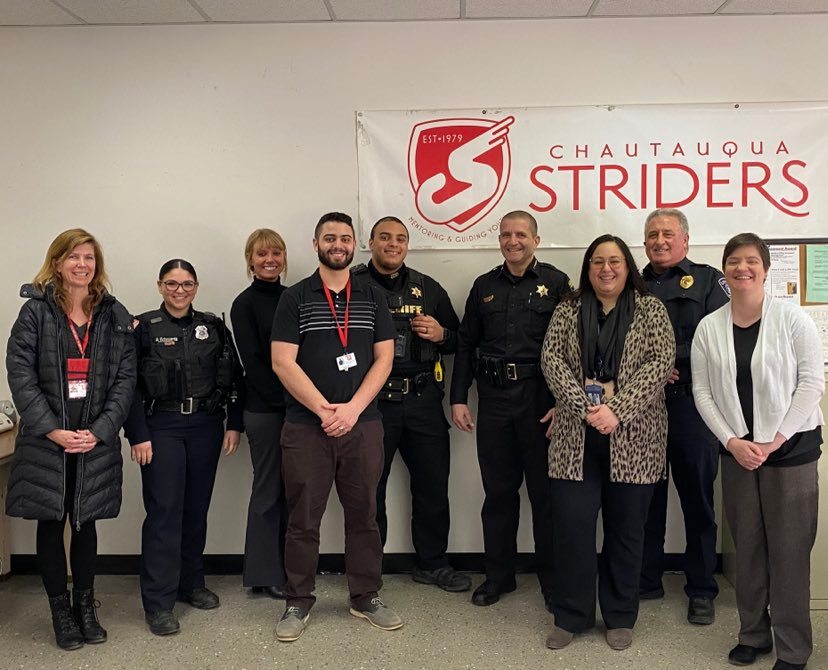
column 77, row 377
column 346, row 361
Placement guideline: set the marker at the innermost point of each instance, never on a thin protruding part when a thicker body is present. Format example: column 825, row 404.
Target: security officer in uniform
column 690, row 291
column 411, row 400
column 499, row 342
column 188, row 371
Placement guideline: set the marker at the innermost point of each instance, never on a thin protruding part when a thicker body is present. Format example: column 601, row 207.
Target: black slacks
column 264, row 543
column 693, row 460
column 177, row 487
column 511, row 446
column 624, row 510
column 417, row 428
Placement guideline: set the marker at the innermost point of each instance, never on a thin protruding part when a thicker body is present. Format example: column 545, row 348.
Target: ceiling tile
column 655, row 7
column 395, row 10
column 133, row 11
column 33, row 13
column 775, row 6
column 265, row 10
column 525, row 9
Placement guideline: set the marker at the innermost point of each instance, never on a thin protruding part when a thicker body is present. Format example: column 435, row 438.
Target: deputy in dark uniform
column 499, row 343
column 411, row 400
column 690, row 291
column 187, row 372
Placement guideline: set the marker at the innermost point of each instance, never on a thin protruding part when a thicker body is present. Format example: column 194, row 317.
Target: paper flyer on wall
column 783, row 276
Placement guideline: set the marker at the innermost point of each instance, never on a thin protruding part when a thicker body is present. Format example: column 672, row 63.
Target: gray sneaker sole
column 295, row 636
column 363, row 615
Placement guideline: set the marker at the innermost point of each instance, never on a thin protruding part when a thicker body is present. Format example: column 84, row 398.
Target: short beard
column 328, row 263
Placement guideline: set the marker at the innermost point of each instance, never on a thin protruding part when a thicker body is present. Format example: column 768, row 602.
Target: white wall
column 178, row 140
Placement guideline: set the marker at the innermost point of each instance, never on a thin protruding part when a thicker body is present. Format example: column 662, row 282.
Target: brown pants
column 772, row 514
column 311, row 463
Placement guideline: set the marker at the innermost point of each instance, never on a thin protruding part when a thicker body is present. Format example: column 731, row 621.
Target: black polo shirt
column 690, row 291
column 304, row 317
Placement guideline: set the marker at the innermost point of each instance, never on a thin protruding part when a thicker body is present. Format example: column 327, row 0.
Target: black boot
column 84, row 606
column 67, row 633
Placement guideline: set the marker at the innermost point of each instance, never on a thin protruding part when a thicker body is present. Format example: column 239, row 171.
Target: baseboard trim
column 231, row 564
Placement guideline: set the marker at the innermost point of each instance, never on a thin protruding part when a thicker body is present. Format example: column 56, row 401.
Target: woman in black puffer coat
column 71, row 367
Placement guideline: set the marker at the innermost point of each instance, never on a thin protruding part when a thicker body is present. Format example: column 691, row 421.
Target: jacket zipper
column 61, row 367
column 90, row 378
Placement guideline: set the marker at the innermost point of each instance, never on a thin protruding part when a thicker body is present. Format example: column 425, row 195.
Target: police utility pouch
column 156, row 377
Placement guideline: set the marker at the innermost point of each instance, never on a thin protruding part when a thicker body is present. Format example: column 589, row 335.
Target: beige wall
column 178, row 140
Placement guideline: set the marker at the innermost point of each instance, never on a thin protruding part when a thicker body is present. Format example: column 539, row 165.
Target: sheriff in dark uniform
column 411, row 400
column 690, row 291
column 499, row 343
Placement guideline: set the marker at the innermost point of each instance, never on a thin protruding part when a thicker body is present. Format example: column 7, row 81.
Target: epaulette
column 359, row 268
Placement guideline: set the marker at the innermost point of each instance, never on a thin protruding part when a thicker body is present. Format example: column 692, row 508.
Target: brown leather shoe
column 619, row 638
column 558, row 638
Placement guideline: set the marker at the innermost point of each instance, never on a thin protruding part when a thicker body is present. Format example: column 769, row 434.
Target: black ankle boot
column 67, row 633
column 84, row 606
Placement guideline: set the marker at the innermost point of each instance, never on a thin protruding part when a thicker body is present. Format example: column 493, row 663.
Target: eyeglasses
column 172, row 286
column 615, row 262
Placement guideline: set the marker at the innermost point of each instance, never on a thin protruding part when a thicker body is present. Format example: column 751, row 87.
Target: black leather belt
column 396, row 387
column 678, row 390
column 499, row 371
column 188, row 406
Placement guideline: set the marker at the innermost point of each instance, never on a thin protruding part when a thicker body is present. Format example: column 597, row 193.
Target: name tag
column 598, row 392
column 77, row 377
column 346, row 361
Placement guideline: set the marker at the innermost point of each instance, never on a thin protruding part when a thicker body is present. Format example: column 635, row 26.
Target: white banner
column 585, row 171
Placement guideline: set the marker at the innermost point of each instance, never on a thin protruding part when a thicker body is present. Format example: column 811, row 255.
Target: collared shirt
column 690, row 291
column 304, row 317
column 506, row 317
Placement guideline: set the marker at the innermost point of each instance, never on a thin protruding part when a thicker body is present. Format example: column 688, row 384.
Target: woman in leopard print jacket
column 607, row 354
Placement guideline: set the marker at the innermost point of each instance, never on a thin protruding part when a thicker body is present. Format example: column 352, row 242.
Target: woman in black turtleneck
column 264, row 412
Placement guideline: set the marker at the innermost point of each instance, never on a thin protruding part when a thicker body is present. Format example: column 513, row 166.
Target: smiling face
column 517, row 241
column 178, row 288
column 608, row 271
column 335, row 245
column 389, row 246
column 267, row 263
column 665, row 242
column 78, row 268
column 744, row 271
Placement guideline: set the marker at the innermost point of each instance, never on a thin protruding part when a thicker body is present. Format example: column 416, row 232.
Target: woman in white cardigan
column 757, row 382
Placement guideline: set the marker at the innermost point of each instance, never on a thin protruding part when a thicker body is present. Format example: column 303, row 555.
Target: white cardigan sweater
column 787, row 370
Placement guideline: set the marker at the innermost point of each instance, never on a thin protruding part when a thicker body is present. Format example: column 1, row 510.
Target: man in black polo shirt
column 332, row 348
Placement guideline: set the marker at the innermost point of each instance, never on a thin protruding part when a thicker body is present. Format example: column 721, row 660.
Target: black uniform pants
column 511, row 446
column 624, row 510
column 417, row 428
column 693, row 459
column 177, row 487
column 264, row 543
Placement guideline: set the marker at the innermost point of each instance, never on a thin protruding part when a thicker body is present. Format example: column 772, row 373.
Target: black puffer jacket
column 35, row 362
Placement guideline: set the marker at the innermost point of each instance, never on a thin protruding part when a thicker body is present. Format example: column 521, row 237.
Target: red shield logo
column 459, row 169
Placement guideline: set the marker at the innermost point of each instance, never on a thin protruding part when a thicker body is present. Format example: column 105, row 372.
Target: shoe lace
column 293, row 611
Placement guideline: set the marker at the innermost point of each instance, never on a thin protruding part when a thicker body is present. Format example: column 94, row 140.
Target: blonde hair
column 58, row 252
column 267, row 238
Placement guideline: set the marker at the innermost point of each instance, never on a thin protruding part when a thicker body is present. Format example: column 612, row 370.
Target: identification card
column 595, row 393
column 346, row 361
column 77, row 377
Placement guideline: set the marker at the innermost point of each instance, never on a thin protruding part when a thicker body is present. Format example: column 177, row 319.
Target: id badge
column 346, row 361
column 595, row 392
column 77, row 377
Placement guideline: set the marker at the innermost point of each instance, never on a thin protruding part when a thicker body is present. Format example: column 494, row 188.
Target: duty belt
column 396, row 387
column 186, row 406
column 499, row 372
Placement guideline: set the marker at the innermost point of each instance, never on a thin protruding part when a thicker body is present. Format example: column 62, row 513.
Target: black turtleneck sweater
column 252, row 317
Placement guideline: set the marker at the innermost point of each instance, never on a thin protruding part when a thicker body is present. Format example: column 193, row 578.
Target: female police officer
column 187, row 372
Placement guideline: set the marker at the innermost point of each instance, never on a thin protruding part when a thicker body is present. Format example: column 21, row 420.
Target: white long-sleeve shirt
column 787, row 371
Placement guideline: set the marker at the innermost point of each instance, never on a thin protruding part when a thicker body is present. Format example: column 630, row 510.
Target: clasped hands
column 73, row 441
column 338, row 418
column 602, row 419
column 750, row 455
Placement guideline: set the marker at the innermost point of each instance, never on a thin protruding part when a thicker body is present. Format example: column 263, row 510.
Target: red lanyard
column 73, row 329
column 342, row 332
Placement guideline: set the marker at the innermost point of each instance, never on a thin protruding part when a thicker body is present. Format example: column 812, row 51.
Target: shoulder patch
column 725, row 287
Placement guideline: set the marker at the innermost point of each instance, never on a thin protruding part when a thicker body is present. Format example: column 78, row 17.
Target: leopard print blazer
column 638, row 445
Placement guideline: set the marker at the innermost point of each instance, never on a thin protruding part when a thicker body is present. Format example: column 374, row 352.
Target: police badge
column 201, row 333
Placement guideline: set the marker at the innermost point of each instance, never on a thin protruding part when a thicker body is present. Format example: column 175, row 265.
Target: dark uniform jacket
column 506, row 317
column 36, row 365
column 690, row 291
